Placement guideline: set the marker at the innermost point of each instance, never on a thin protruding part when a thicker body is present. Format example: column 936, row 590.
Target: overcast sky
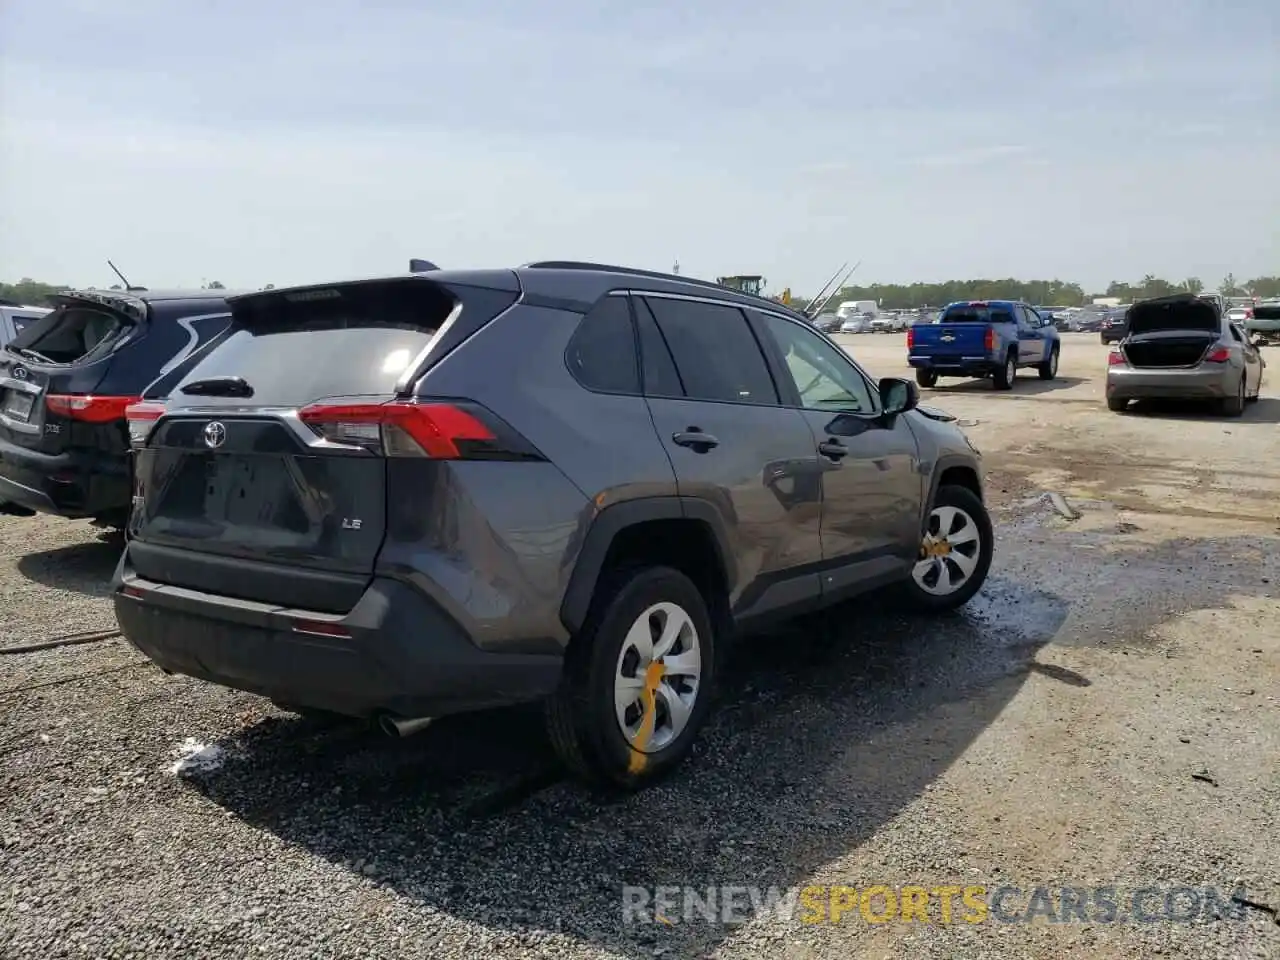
column 290, row 142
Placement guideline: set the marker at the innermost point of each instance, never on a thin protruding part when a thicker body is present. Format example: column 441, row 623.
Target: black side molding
column 613, row 520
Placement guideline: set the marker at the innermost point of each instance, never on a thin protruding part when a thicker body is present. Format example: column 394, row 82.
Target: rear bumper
column 397, row 653
column 1137, row 383
column 973, row 366
column 78, row 483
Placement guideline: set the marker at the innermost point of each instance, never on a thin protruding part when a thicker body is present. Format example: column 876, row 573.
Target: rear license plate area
column 18, row 405
column 250, row 492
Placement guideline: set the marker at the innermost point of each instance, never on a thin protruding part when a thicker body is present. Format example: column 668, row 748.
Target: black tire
column 926, row 378
column 1234, row 406
column 1049, row 369
column 963, row 499
column 1006, row 376
column 1117, row 404
column 580, row 716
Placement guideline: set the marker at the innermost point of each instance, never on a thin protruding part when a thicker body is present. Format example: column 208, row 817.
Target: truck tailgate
column 949, row 339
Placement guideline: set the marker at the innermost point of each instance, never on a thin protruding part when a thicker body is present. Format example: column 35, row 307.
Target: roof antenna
column 421, row 266
column 123, row 278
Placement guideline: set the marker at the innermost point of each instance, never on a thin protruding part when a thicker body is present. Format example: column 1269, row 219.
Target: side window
column 715, row 352
column 1023, row 316
column 658, row 370
column 1235, row 333
column 602, row 351
column 824, row 377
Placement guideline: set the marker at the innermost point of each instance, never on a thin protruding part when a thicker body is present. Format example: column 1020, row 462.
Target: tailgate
column 950, row 339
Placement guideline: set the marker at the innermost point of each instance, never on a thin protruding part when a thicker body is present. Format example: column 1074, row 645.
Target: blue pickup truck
column 984, row 338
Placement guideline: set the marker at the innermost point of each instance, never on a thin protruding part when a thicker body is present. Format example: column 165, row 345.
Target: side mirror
column 898, row 395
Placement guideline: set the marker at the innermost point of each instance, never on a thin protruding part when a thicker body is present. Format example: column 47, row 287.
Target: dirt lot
column 1107, row 712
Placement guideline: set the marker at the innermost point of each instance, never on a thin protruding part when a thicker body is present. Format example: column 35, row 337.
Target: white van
column 15, row 318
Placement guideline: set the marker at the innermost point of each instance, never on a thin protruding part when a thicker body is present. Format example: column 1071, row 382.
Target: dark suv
column 401, row 498
column 65, row 381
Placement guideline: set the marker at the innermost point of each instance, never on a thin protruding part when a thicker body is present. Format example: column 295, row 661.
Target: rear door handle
column 833, row 449
column 695, row 439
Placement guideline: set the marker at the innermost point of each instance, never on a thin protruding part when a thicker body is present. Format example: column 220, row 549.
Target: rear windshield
column 70, row 334
column 1269, row 312
column 971, row 314
column 1196, row 315
column 356, row 343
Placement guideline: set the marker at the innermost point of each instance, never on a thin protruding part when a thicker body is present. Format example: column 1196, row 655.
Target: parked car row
column 417, row 495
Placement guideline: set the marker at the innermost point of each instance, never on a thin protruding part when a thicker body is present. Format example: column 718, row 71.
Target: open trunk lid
column 1171, row 332
column 53, row 369
column 263, row 475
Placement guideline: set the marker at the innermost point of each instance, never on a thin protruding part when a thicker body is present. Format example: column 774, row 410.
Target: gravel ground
column 1052, row 733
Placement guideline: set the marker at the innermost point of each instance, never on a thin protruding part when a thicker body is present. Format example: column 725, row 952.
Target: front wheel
column 1049, row 369
column 637, row 682
column 926, row 378
column 955, row 551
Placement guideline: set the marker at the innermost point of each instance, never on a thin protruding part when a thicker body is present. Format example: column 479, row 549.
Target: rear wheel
column 1049, row 369
column 1117, row 404
column 637, row 682
column 1003, row 379
column 926, row 378
column 1234, row 406
column 955, row 551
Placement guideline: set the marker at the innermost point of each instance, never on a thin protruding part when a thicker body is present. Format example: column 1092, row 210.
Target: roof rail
column 636, row 272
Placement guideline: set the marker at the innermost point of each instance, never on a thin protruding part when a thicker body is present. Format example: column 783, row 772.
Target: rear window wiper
column 30, row 354
column 218, row 387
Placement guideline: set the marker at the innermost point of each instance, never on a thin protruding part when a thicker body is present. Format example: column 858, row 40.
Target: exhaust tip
column 400, row 727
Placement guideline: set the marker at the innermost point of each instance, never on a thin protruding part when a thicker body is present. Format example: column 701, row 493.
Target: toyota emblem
column 215, row 435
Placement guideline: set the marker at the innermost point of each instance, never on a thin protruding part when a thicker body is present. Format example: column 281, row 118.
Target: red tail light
column 87, row 408
column 911, row 338
column 1219, row 355
column 141, row 417
column 1248, row 313
column 989, row 340
column 1116, row 359
column 456, row 430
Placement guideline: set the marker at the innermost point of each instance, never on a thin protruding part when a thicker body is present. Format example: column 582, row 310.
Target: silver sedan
column 1182, row 348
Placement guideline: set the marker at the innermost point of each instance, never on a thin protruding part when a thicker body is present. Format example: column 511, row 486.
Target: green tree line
column 893, row 296
column 1049, row 293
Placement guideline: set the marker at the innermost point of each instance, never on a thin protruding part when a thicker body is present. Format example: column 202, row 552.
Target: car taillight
column 88, row 408
column 1248, row 313
column 453, row 430
column 911, row 338
column 1115, row 359
column 142, row 417
column 989, row 340
column 1219, row 355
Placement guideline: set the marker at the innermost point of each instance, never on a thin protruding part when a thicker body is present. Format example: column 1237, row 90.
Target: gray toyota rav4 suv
column 412, row 496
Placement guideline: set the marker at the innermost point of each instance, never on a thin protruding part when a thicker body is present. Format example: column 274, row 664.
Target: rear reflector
column 321, row 628
column 1115, row 359
column 439, row 430
column 1220, row 355
column 87, row 408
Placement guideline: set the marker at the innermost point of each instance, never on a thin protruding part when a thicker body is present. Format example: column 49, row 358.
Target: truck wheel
column 955, row 551
column 926, row 378
column 1234, row 406
column 1049, row 369
column 637, row 680
column 1003, row 379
